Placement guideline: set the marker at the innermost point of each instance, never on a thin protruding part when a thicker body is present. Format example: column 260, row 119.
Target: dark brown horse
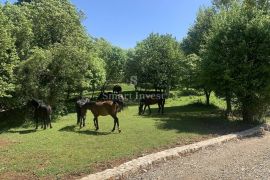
column 42, row 112
column 151, row 100
column 78, row 105
column 102, row 108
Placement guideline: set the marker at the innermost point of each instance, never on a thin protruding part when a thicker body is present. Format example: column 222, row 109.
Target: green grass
column 67, row 150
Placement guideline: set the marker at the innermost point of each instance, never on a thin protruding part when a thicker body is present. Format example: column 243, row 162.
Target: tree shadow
column 12, row 119
column 75, row 129
column 196, row 118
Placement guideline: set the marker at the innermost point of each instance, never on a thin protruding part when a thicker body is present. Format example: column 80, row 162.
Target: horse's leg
column 149, row 109
column 84, row 117
column 144, row 109
column 50, row 121
column 94, row 120
column 159, row 107
column 81, row 119
column 78, row 118
column 36, row 122
column 44, row 123
column 97, row 128
column 162, row 107
column 118, row 126
column 114, row 124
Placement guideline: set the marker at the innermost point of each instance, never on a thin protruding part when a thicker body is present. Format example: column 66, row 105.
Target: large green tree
column 237, row 55
column 159, row 59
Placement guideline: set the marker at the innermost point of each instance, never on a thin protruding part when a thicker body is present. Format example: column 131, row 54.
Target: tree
column 53, row 21
column 193, row 44
column 21, row 29
column 191, row 72
column 159, row 60
column 8, row 57
column 115, row 60
column 237, row 53
column 48, row 74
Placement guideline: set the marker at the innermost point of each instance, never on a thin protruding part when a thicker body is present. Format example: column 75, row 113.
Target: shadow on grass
column 23, row 131
column 196, row 118
column 13, row 119
column 75, row 129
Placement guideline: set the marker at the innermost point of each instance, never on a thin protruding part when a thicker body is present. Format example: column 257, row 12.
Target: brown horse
column 102, row 108
column 147, row 101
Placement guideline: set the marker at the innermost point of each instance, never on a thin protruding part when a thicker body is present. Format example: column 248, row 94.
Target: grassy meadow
column 67, row 151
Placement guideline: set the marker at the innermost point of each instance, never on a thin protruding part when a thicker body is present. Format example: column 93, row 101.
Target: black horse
column 79, row 103
column 42, row 112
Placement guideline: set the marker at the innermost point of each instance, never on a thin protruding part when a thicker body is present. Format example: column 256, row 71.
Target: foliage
column 159, row 58
column 192, row 45
column 53, row 20
column 195, row 37
column 21, row 28
column 115, row 60
column 236, row 57
column 8, row 56
column 49, row 73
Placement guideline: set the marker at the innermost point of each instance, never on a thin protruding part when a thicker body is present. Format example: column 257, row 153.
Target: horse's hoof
column 97, row 129
column 113, row 130
column 119, row 131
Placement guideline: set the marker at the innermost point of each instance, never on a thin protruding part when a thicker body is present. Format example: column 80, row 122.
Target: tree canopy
column 237, row 57
column 158, row 59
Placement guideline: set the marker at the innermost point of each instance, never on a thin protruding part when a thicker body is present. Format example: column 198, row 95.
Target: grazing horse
column 147, row 101
column 102, row 108
column 117, row 89
column 42, row 112
column 78, row 105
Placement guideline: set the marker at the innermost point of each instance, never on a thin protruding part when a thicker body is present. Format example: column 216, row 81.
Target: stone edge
column 146, row 162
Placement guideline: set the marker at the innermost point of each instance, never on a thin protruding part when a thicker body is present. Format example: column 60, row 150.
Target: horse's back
column 104, row 108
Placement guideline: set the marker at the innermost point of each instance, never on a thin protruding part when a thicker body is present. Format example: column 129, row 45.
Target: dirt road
column 242, row 159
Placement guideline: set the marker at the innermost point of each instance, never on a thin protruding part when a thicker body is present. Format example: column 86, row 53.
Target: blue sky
column 125, row 22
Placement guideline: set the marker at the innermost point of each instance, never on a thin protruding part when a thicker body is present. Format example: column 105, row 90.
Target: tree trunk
column 207, row 96
column 229, row 105
column 247, row 114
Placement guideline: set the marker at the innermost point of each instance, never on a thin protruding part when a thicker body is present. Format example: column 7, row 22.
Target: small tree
column 192, row 45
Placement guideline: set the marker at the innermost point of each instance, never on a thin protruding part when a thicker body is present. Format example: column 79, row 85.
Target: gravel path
column 242, row 159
